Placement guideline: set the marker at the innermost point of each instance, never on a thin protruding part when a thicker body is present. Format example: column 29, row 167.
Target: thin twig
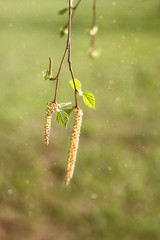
column 92, row 43
column 74, row 8
column 69, row 51
column 50, row 66
column 68, row 48
column 57, row 77
column 94, row 13
column 73, row 13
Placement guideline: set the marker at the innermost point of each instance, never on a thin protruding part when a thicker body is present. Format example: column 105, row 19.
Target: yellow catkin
column 73, row 145
column 49, row 110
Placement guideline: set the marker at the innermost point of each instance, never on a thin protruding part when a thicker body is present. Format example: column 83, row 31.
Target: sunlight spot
column 109, row 168
column 27, row 181
column 100, row 17
column 113, row 3
column 111, row 82
column 10, row 191
column 114, row 20
column 93, row 195
column 117, row 99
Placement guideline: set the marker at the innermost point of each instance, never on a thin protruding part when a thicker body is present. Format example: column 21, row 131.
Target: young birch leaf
column 89, row 99
column 63, row 105
column 62, row 11
column 62, row 118
column 45, row 74
column 77, row 82
column 69, row 111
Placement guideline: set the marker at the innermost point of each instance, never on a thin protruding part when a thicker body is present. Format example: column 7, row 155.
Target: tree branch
column 69, row 51
column 68, row 48
column 94, row 13
column 93, row 25
column 73, row 13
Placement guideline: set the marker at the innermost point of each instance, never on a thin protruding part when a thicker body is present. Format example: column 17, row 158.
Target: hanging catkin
column 49, row 110
column 73, row 145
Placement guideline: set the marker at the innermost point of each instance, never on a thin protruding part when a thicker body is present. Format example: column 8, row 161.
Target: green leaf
column 77, row 82
column 89, row 99
column 63, row 105
column 69, row 111
column 45, row 74
column 62, row 118
column 62, row 11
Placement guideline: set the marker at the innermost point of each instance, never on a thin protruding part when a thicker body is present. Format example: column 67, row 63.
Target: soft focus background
column 115, row 192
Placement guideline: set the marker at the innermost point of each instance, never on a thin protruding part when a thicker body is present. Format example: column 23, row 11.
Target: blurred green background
column 115, row 192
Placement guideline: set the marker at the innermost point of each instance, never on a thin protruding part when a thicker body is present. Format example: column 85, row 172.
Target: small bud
column 93, row 53
column 63, row 31
column 93, row 30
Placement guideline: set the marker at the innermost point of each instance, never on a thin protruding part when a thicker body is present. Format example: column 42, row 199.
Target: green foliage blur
column 115, row 191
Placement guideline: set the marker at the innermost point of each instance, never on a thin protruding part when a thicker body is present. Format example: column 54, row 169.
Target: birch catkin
column 49, row 110
column 74, row 145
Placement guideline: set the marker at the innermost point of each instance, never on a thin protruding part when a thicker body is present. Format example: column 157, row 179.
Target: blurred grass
column 115, row 191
